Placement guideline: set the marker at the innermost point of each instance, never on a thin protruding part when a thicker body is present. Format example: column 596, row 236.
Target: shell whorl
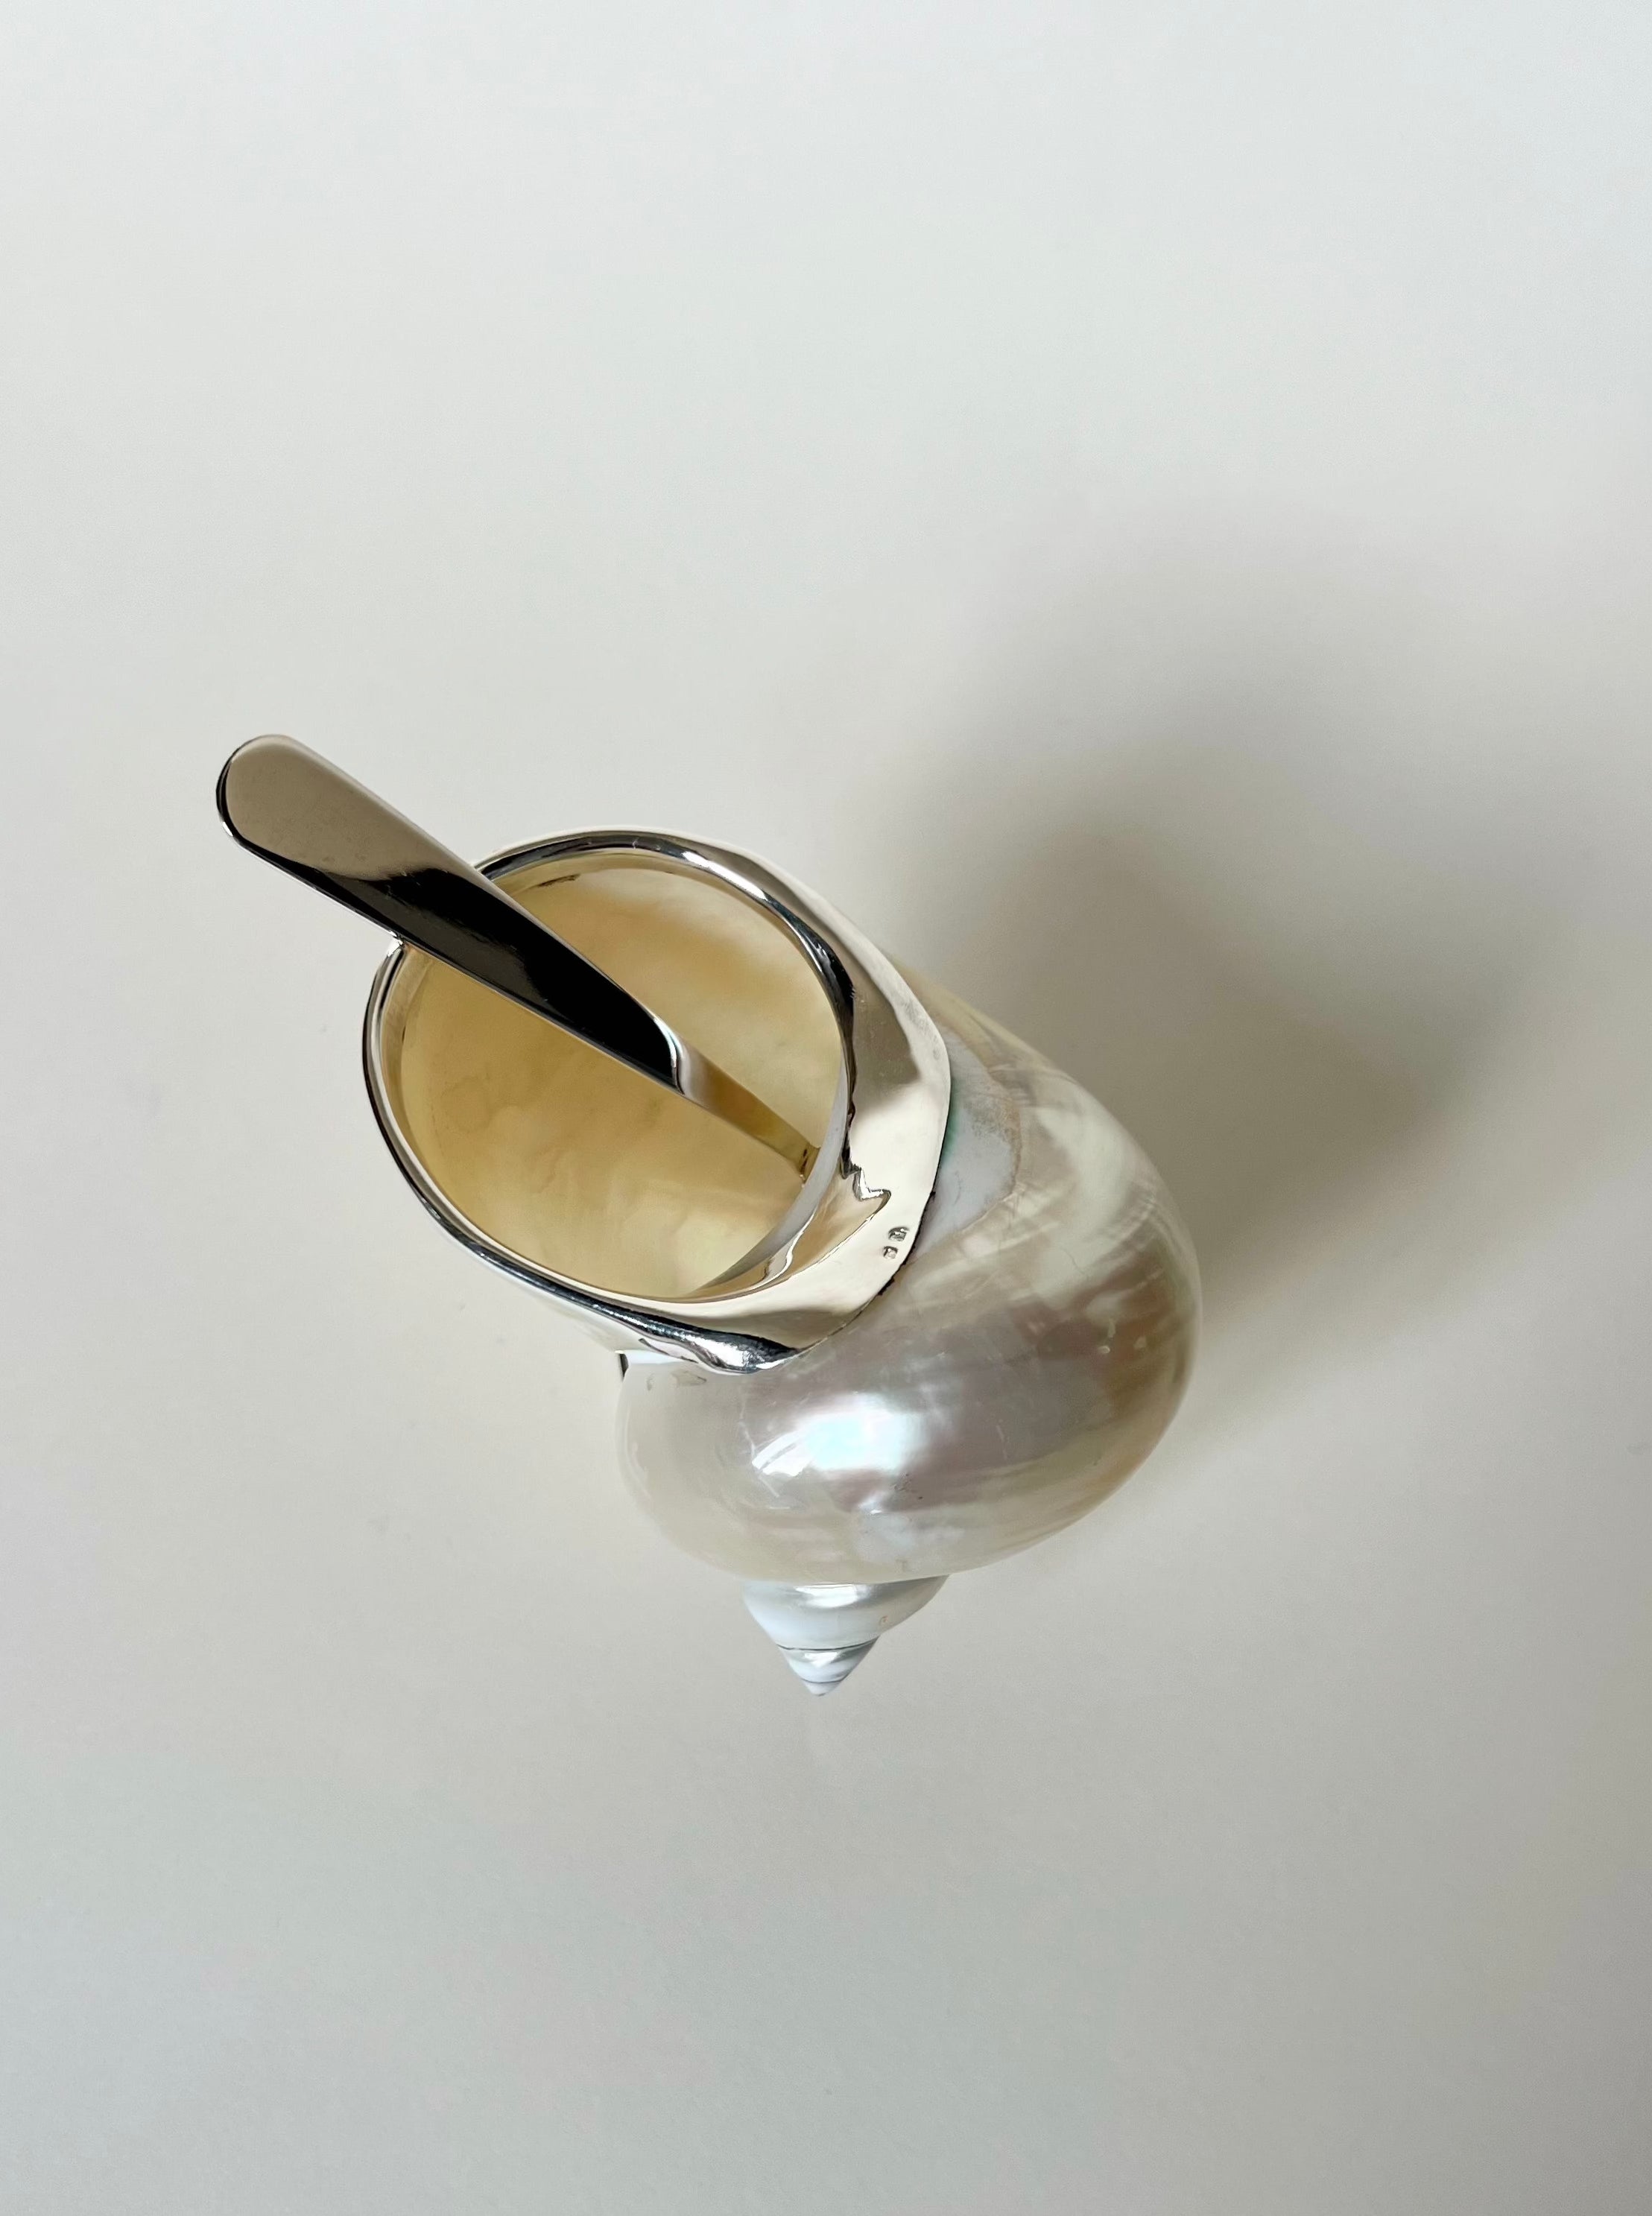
column 824, row 1631
column 1026, row 1358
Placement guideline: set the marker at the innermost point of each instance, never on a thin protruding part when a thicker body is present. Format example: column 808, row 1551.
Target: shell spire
column 822, row 1669
column 825, row 1631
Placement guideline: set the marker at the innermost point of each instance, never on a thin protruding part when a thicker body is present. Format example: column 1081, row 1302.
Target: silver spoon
column 294, row 808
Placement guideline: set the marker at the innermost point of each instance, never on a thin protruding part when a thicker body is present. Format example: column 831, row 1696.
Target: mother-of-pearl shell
column 1023, row 1361
column 1025, row 1355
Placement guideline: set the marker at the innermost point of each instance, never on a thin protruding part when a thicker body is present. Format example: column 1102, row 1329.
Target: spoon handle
column 294, row 807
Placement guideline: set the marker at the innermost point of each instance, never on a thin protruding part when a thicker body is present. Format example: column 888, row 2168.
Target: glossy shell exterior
column 1024, row 1360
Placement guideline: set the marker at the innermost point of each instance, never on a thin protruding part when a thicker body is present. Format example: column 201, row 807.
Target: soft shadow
column 1277, row 959
column 1250, row 1108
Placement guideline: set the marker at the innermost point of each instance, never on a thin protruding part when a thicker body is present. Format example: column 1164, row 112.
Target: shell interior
column 577, row 1165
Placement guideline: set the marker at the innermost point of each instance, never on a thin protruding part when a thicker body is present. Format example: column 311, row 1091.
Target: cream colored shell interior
column 578, row 1164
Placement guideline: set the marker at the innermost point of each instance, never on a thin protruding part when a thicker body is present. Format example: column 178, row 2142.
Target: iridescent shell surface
column 1024, row 1360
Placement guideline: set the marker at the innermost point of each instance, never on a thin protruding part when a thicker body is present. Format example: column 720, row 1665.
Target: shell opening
column 579, row 1166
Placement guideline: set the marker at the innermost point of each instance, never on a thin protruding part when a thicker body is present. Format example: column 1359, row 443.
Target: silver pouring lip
column 857, row 1214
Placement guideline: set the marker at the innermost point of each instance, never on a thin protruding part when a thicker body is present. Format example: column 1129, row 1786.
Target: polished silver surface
column 859, row 1211
column 291, row 807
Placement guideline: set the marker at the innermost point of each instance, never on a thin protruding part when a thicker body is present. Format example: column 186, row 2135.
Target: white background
column 1146, row 507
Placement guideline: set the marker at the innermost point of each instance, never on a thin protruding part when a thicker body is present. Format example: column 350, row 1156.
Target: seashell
column 970, row 1320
